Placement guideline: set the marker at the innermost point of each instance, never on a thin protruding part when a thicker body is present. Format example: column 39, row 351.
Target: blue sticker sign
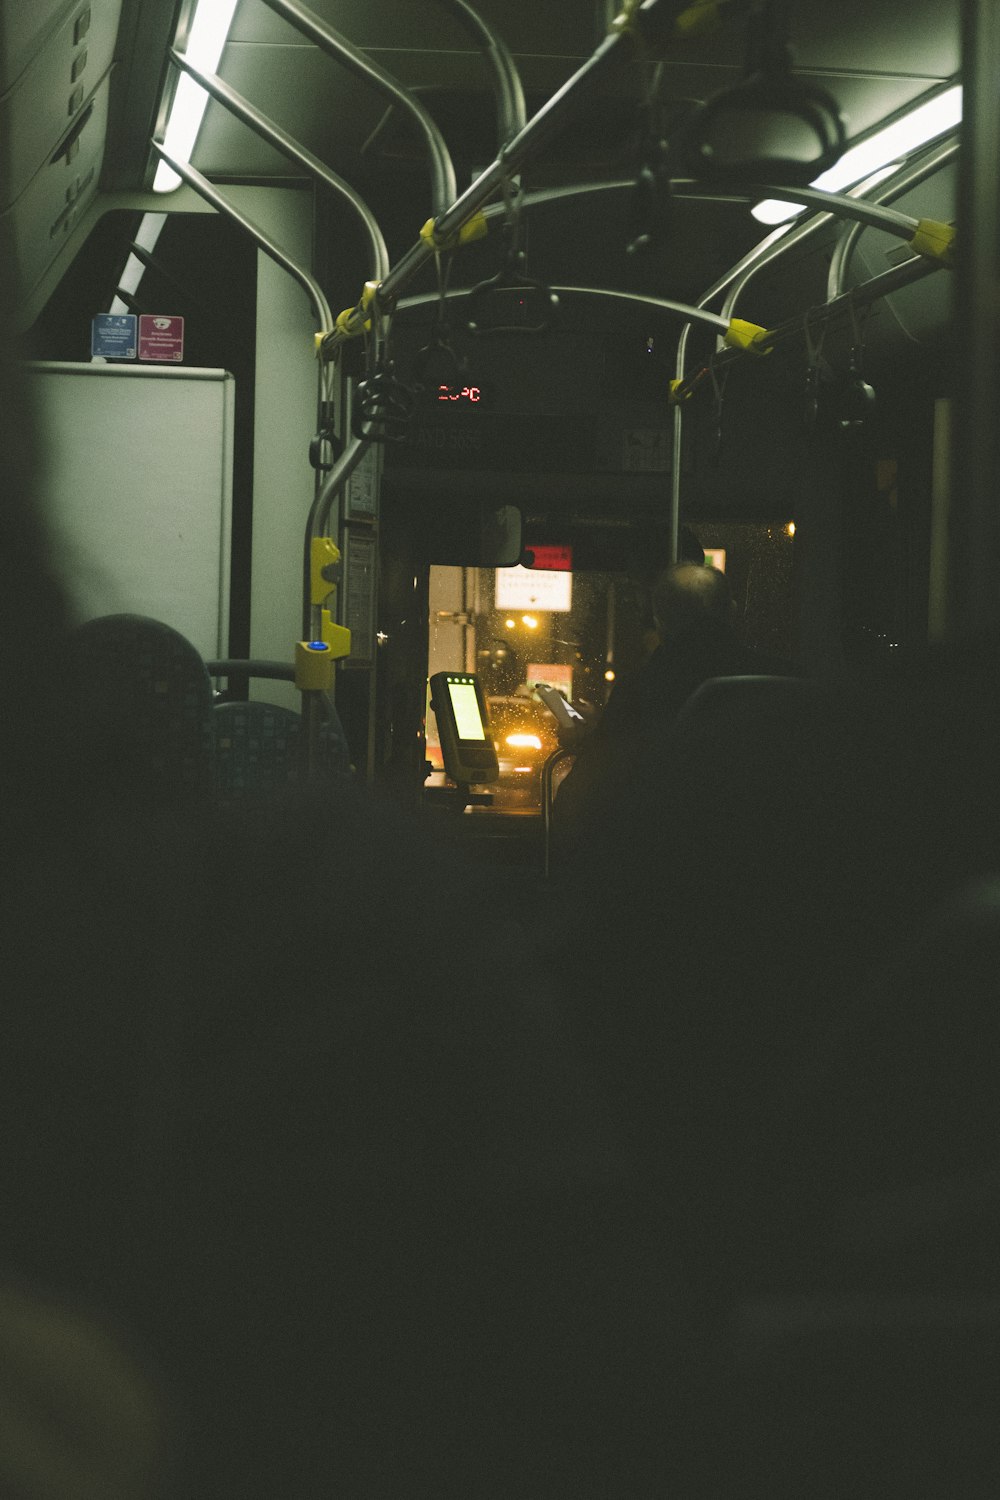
column 114, row 336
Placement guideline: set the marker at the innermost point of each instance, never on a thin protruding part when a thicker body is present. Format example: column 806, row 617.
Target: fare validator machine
column 463, row 722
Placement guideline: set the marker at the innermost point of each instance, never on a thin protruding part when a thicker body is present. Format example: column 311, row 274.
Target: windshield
column 581, row 632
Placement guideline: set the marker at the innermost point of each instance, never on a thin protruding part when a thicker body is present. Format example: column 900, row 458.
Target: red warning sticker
column 161, row 338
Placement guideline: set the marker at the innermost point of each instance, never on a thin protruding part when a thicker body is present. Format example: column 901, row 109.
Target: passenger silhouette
column 269, row 1104
column 385, row 1213
column 695, row 617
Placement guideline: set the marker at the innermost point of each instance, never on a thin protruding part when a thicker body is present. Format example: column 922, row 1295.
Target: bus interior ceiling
column 569, row 422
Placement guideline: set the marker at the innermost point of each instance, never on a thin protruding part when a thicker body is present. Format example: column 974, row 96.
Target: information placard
column 358, row 585
column 113, row 336
column 362, row 486
column 161, row 338
column 534, row 588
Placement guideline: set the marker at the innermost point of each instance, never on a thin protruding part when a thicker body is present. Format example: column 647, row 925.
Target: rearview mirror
column 461, row 533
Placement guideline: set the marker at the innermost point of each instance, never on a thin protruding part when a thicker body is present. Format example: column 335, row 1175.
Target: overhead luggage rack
column 55, row 65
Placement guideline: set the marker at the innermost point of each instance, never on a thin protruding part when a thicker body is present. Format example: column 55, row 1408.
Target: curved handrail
column 881, row 194
column 781, row 239
column 621, row 43
column 319, row 517
column 895, row 187
column 663, row 304
column 443, row 185
column 211, row 194
column 241, row 107
column 319, row 511
column 272, row 671
column 883, row 284
column 643, row 299
column 841, row 205
column 548, row 774
column 507, row 87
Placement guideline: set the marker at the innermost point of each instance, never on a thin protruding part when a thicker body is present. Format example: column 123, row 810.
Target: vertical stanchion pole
column 973, row 599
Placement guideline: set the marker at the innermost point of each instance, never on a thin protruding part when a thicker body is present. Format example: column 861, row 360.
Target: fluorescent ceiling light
column 873, row 159
column 206, row 40
column 128, row 281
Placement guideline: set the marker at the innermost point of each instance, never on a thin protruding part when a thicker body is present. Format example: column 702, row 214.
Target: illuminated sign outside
column 715, row 557
column 552, row 559
column 534, row 588
column 556, row 674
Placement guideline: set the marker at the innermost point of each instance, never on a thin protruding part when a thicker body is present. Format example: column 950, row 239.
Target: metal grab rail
column 352, row 455
column 211, row 194
column 319, row 518
column 511, row 111
column 443, row 186
column 734, row 281
column 866, row 292
column 898, row 184
column 623, row 42
column 273, row 671
column 548, row 774
column 266, row 128
column 621, row 45
column 781, row 239
column 841, row 205
column 972, row 606
column 507, row 87
column 642, row 299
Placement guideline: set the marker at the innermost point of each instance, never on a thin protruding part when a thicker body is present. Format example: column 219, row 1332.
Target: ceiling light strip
column 205, row 43
column 872, row 159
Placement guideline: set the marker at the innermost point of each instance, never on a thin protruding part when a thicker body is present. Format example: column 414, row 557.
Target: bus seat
column 256, row 744
column 757, row 755
column 746, row 812
column 745, row 756
column 257, row 749
column 758, row 697
column 142, row 704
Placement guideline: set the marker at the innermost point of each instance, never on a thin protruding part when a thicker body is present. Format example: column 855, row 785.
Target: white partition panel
column 136, row 484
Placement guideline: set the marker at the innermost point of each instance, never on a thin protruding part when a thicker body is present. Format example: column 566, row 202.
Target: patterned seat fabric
column 257, row 749
column 142, row 704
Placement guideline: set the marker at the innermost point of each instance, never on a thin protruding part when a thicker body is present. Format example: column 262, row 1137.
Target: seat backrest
column 142, row 707
column 758, row 754
column 256, row 749
column 747, row 698
column 739, row 836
